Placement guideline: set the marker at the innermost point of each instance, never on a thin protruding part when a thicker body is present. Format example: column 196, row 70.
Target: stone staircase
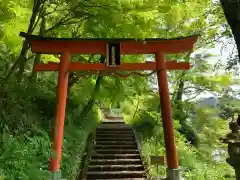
column 116, row 154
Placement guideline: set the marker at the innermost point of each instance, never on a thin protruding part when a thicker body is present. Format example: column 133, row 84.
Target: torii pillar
column 166, row 110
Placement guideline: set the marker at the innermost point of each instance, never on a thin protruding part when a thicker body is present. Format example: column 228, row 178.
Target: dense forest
column 28, row 99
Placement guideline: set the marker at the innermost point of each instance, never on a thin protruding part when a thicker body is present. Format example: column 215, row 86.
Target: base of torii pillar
column 57, row 176
column 173, row 174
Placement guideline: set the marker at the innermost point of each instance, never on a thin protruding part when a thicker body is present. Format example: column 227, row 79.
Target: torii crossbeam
column 112, row 48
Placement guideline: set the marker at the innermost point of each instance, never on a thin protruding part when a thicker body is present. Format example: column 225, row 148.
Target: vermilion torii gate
column 112, row 48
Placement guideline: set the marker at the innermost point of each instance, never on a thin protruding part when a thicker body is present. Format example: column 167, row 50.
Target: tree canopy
column 27, row 99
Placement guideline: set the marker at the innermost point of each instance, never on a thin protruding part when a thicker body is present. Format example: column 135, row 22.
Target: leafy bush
column 195, row 162
column 27, row 112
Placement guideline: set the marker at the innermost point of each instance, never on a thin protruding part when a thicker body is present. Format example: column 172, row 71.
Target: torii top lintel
column 48, row 45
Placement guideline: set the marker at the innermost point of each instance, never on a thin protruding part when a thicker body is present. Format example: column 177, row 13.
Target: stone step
column 115, row 174
column 116, row 138
column 112, row 117
column 116, row 146
column 114, row 126
column 113, row 122
column 116, row 156
column 121, row 179
column 116, row 142
column 126, row 133
column 116, row 151
column 129, row 167
column 127, row 129
column 118, row 133
column 115, row 161
column 114, row 131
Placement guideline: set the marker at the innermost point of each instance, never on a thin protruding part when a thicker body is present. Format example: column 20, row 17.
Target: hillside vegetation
column 28, row 99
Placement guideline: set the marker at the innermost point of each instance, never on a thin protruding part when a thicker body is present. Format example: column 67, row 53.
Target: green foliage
column 32, row 154
column 33, row 107
column 196, row 163
column 27, row 109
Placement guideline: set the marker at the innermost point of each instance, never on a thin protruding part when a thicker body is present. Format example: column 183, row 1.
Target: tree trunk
column 136, row 110
column 74, row 77
column 231, row 10
column 1, row 133
column 178, row 100
column 179, row 93
column 22, row 59
column 38, row 55
column 71, row 81
column 185, row 129
column 18, row 60
column 91, row 101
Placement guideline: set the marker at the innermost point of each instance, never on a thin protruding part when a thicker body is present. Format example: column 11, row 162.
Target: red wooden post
column 77, row 66
column 60, row 112
column 172, row 157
